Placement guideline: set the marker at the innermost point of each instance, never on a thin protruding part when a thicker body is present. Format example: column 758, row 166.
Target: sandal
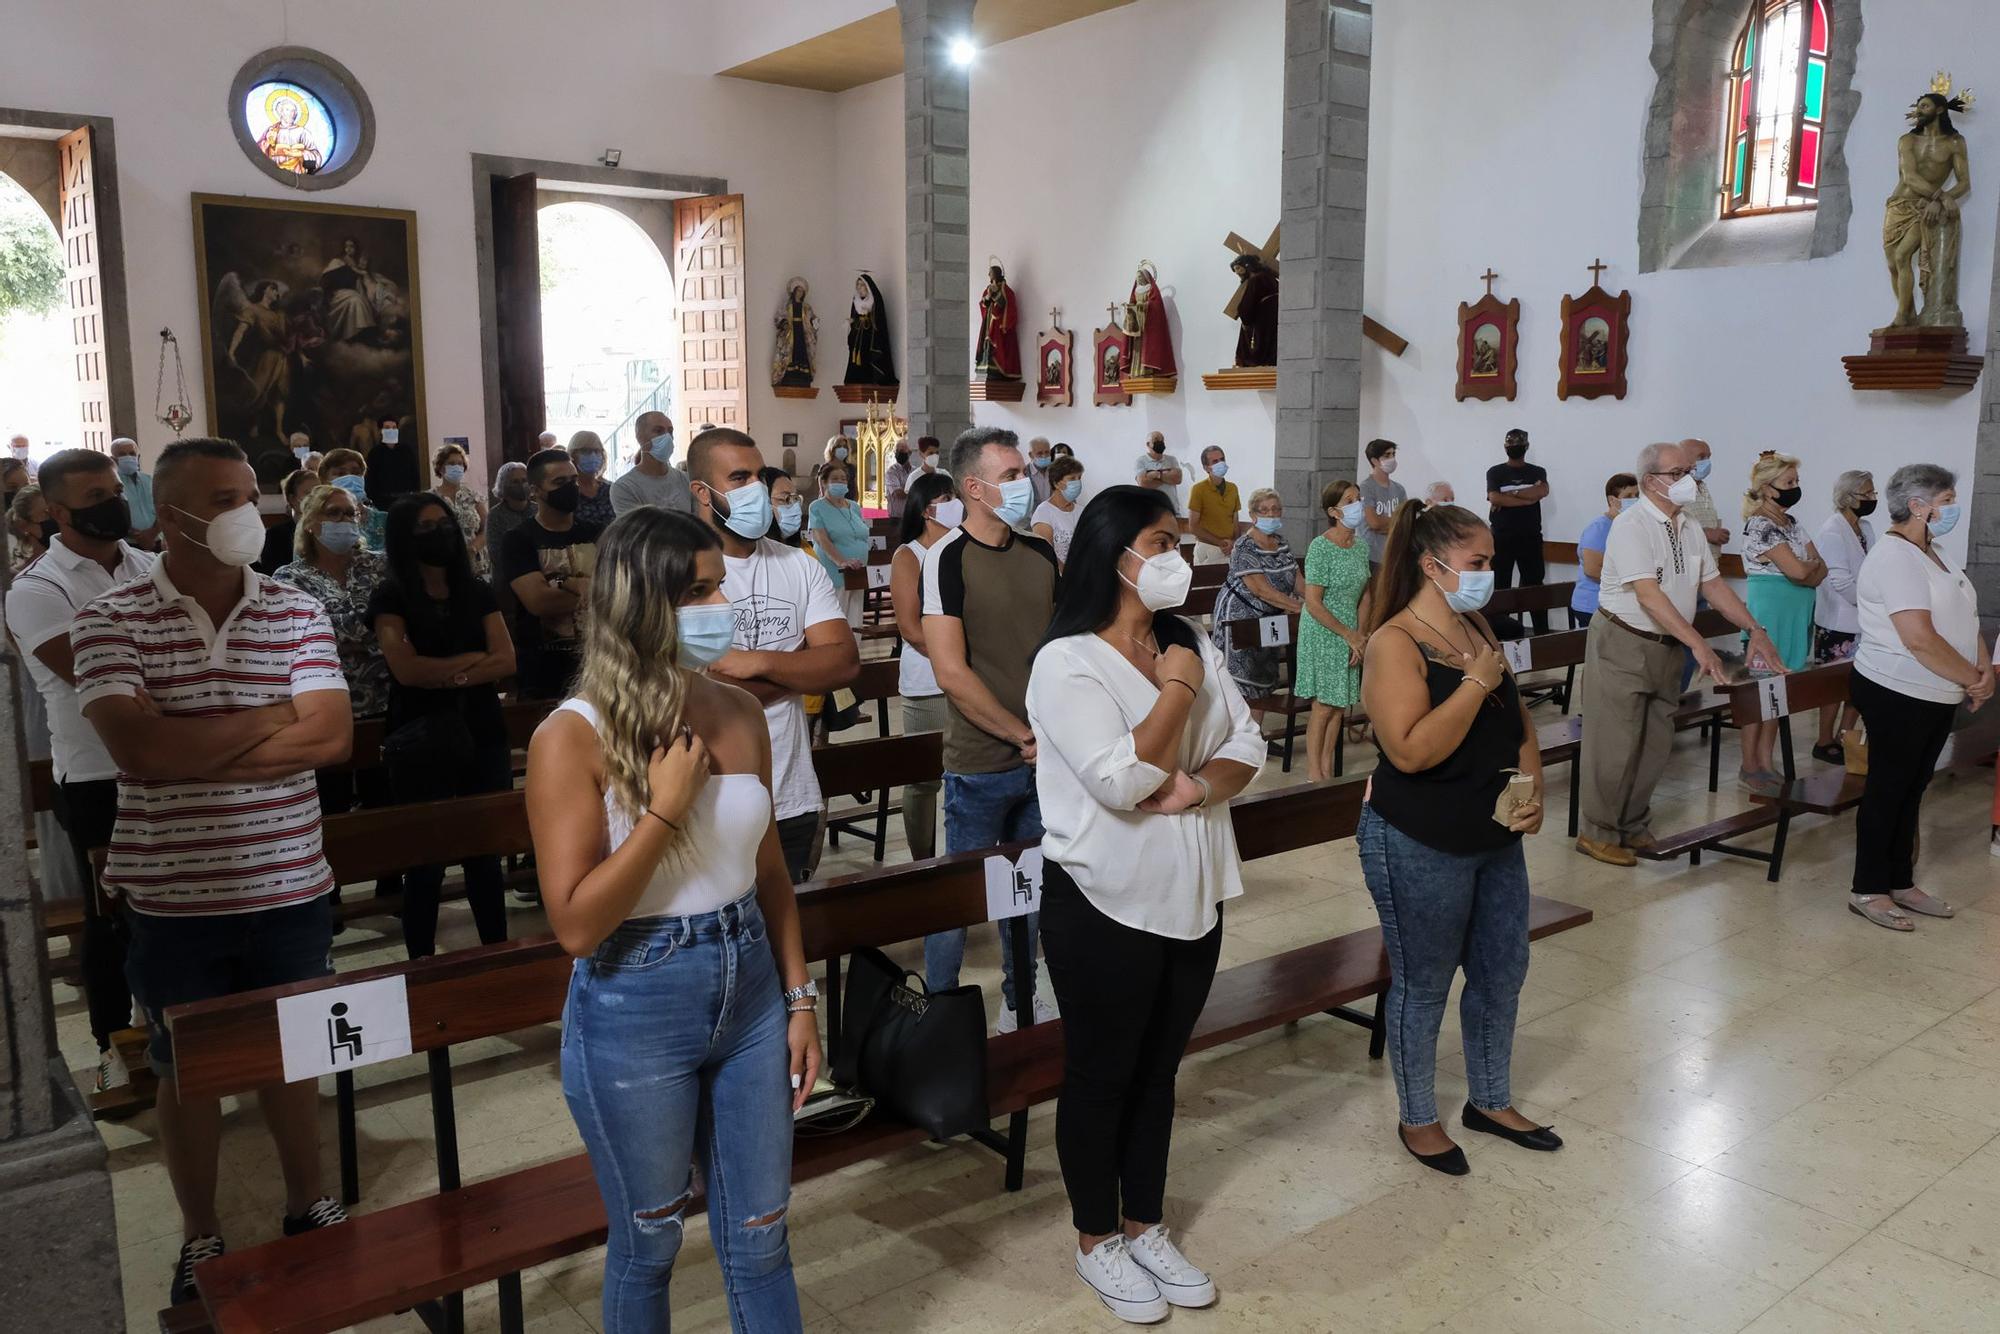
column 1916, row 900
column 1880, row 910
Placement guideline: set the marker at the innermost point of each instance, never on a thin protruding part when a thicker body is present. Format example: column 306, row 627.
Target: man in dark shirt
column 547, row 563
column 1516, row 489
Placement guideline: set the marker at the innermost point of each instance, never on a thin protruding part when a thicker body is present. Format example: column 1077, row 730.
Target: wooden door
column 83, row 288
column 517, row 308
column 708, row 278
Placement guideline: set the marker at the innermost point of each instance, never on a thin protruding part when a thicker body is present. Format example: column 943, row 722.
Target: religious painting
column 309, row 322
column 291, row 126
column 1596, row 328
column 1488, row 347
column 1109, row 348
column 1052, row 385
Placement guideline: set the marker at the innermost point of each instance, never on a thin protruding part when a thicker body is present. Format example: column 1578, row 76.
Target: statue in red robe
column 998, row 353
column 1152, row 345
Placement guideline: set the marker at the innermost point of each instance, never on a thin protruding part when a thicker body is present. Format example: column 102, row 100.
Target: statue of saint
column 798, row 339
column 1145, row 323
column 869, row 360
column 1921, row 222
column 1256, row 312
column 998, row 353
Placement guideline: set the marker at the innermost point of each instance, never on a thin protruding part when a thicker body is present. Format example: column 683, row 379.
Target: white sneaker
column 111, row 1071
column 1045, row 1011
column 1179, row 1282
column 1121, row 1285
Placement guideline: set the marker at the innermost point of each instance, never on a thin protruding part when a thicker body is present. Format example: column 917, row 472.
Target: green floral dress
column 1323, row 673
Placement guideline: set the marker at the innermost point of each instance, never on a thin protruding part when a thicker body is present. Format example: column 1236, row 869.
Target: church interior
column 1281, row 229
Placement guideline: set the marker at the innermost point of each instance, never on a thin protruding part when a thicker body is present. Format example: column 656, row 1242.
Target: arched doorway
column 37, row 380
column 607, row 324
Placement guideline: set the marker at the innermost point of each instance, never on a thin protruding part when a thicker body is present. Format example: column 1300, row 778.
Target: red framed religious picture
column 1596, row 338
column 1055, row 372
column 1489, row 345
column 1108, row 347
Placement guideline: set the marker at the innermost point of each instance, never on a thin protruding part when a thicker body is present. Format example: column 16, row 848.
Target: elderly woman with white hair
column 513, row 505
column 587, row 452
column 1263, row 581
column 1920, row 654
column 1843, row 542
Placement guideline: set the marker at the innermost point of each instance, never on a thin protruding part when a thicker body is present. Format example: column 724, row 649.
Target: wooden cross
column 1597, row 273
column 1268, row 253
column 1489, row 276
column 1055, row 317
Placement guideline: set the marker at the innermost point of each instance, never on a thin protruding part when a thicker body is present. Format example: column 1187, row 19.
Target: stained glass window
column 291, row 126
column 1774, row 107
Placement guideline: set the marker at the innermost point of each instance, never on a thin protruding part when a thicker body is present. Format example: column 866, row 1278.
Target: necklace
column 1441, row 635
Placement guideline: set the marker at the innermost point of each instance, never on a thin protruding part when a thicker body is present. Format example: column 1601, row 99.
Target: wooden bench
column 1564, row 553
column 1282, row 700
column 430, row 1249
column 520, row 716
column 875, row 766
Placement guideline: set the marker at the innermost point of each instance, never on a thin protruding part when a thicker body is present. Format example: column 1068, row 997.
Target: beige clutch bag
column 1520, row 790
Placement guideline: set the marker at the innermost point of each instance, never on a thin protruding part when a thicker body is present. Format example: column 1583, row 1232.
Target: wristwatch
column 808, row 992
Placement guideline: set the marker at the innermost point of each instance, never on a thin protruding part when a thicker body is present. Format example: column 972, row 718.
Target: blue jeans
column 1442, row 911
column 984, row 811
column 674, row 1049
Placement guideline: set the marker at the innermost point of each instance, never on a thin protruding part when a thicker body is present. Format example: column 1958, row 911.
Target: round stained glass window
column 301, row 118
column 292, row 127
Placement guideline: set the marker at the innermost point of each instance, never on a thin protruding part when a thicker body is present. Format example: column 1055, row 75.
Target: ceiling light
column 962, row 51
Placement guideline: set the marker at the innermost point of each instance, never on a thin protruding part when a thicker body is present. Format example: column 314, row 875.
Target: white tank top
column 715, row 861
column 915, row 677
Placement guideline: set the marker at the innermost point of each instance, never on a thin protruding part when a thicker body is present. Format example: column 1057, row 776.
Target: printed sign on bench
column 878, row 542
column 1520, row 655
column 339, row 1028
column 1013, row 887
column 1274, row 631
column 1773, row 698
column 878, row 576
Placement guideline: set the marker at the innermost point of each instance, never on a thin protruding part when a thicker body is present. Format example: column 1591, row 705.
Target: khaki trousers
column 1631, row 688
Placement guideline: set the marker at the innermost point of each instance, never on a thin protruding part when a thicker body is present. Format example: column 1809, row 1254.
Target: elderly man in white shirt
column 1657, row 564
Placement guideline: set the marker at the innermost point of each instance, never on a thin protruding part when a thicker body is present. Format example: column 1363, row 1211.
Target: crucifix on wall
column 1255, row 303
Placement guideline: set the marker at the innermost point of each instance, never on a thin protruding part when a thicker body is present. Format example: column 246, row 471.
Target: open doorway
column 607, row 325
column 35, row 378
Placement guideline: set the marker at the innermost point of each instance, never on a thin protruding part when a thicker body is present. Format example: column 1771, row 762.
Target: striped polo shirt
column 191, row 846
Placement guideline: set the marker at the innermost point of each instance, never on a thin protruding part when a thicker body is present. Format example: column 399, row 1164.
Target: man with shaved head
column 653, row 480
column 1702, row 508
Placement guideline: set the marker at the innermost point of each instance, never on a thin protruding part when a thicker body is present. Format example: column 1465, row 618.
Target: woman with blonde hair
column 586, row 451
column 1783, row 569
column 1330, row 639
column 690, row 1032
column 449, row 464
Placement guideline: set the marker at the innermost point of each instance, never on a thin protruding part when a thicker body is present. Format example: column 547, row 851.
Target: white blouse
column 1167, row 874
column 1843, row 552
column 1898, row 576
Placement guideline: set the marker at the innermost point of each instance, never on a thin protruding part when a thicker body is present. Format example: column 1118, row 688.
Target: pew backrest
column 1766, row 699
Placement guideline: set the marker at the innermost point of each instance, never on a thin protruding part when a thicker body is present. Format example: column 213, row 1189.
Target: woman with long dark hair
column 931, row 509
column 442, row 634
column 1144, row 739
column 690, row 1033
column 788, row 512
column 1441, row 834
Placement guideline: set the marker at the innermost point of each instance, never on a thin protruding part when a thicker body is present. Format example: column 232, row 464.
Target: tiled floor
column 1779, row 1118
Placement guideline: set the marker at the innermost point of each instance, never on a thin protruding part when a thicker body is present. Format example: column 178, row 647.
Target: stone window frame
column 337, row 89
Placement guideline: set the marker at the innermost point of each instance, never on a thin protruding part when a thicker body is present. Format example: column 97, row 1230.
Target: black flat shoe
column 1542, row 1139
column 1829, row 754
column 1451, row 1162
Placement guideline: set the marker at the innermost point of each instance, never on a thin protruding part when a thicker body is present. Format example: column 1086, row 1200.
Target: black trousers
column 491, row 770
column 1523, row 552
column 798, row 839
column 1129, row 1001
column 1905, row 737
column 87, row 813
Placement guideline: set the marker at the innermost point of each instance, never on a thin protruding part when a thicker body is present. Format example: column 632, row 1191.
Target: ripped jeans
column 673, row 1052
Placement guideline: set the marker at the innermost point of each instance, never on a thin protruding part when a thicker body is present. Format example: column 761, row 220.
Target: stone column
column 1325, row 197
column 937, row 309
column 59, row 1249
column 1981, row 490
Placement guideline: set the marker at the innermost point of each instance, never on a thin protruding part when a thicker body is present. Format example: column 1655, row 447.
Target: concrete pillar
column 937, row 310
column 1981, row 490
column 59, row 1249
column 1324, row 185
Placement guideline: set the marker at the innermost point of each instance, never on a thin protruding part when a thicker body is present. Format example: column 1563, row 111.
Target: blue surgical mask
column 302, row 453
column 662, row 446
column 789, row 518
column 1353, row 514
column 1475, row 589
column 840, row 453
column 1943, row 520
column 1626, row 503
column 748, row 510
column 589, row 464
column 1700, row 470
column 838, row 490
column 1015, row 498
column 353, row 486
column 1219, row 471
column 1040, row 460
column 454, row 472
column 128, row 465
column 339, row 536
column 1270, row 524
column 1072, row 489
column 704, row 633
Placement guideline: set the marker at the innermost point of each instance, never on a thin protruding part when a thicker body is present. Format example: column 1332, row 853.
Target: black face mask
column 106, row 521
column 565, row 498
column 1788, row 497
column 1864, row 509
column 49, row 530
column 1158, row 447
column 902, row 456
column 1517, row 452
column 438, row 547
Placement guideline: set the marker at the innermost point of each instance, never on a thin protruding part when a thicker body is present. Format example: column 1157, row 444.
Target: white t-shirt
column 778, row 593
column 1162, row 465
column 1062, row 524
column 1645, row 544
column 45, row 598
column 1843, row 551
column 1897, row 576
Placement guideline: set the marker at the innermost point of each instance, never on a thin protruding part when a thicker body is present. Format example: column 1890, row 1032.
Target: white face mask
column 234, row 537
column 1389, row 465
column 1684, row 490
column 950, row 513
column 390, row 435
column 1164, row 580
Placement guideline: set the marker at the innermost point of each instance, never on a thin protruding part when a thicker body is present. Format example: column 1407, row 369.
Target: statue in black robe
column 869, row 360
column 1256, row 312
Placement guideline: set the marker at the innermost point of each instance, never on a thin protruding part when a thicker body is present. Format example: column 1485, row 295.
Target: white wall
column 1545, row 177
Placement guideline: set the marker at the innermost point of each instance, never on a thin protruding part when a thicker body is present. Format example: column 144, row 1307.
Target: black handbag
column 920, row 1054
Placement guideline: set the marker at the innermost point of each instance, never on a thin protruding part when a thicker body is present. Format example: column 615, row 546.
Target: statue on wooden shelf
column 798, row 339
column 869, row 360
column 1256, row 312
column 998, row 353
column 1920, row 226
column 1151, row 349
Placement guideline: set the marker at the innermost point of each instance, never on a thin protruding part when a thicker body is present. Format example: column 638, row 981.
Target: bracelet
column 1206, row 792
column 1192, row 692
column 801, row 1009
column 665, row 821
column 1471, row 680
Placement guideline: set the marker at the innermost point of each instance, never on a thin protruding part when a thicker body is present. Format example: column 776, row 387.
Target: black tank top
column 1449, row 806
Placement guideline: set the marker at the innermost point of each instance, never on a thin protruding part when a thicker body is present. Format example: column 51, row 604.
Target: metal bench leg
column 343, row 1113
column 832, row 1011
column 1340, row 747
column 510, row 1304
column 1575, row 793
column 1778, row 845
column 1714, row 753
column 1569, row 688
column 1378, row 1032
column 1017, row 1149
column 881, row 822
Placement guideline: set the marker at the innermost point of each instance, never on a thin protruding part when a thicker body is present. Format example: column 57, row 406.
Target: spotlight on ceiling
column 612, row 157
column 962, row 51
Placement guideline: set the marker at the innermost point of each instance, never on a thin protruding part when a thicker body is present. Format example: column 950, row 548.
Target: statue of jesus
column 1921, row 221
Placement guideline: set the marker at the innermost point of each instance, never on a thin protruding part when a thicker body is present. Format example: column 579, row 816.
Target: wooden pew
column 520, row 716
column 1564, row 553
column 1529, row 598
column 427, row 1251
column 875, row 766
column 1282, row 701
